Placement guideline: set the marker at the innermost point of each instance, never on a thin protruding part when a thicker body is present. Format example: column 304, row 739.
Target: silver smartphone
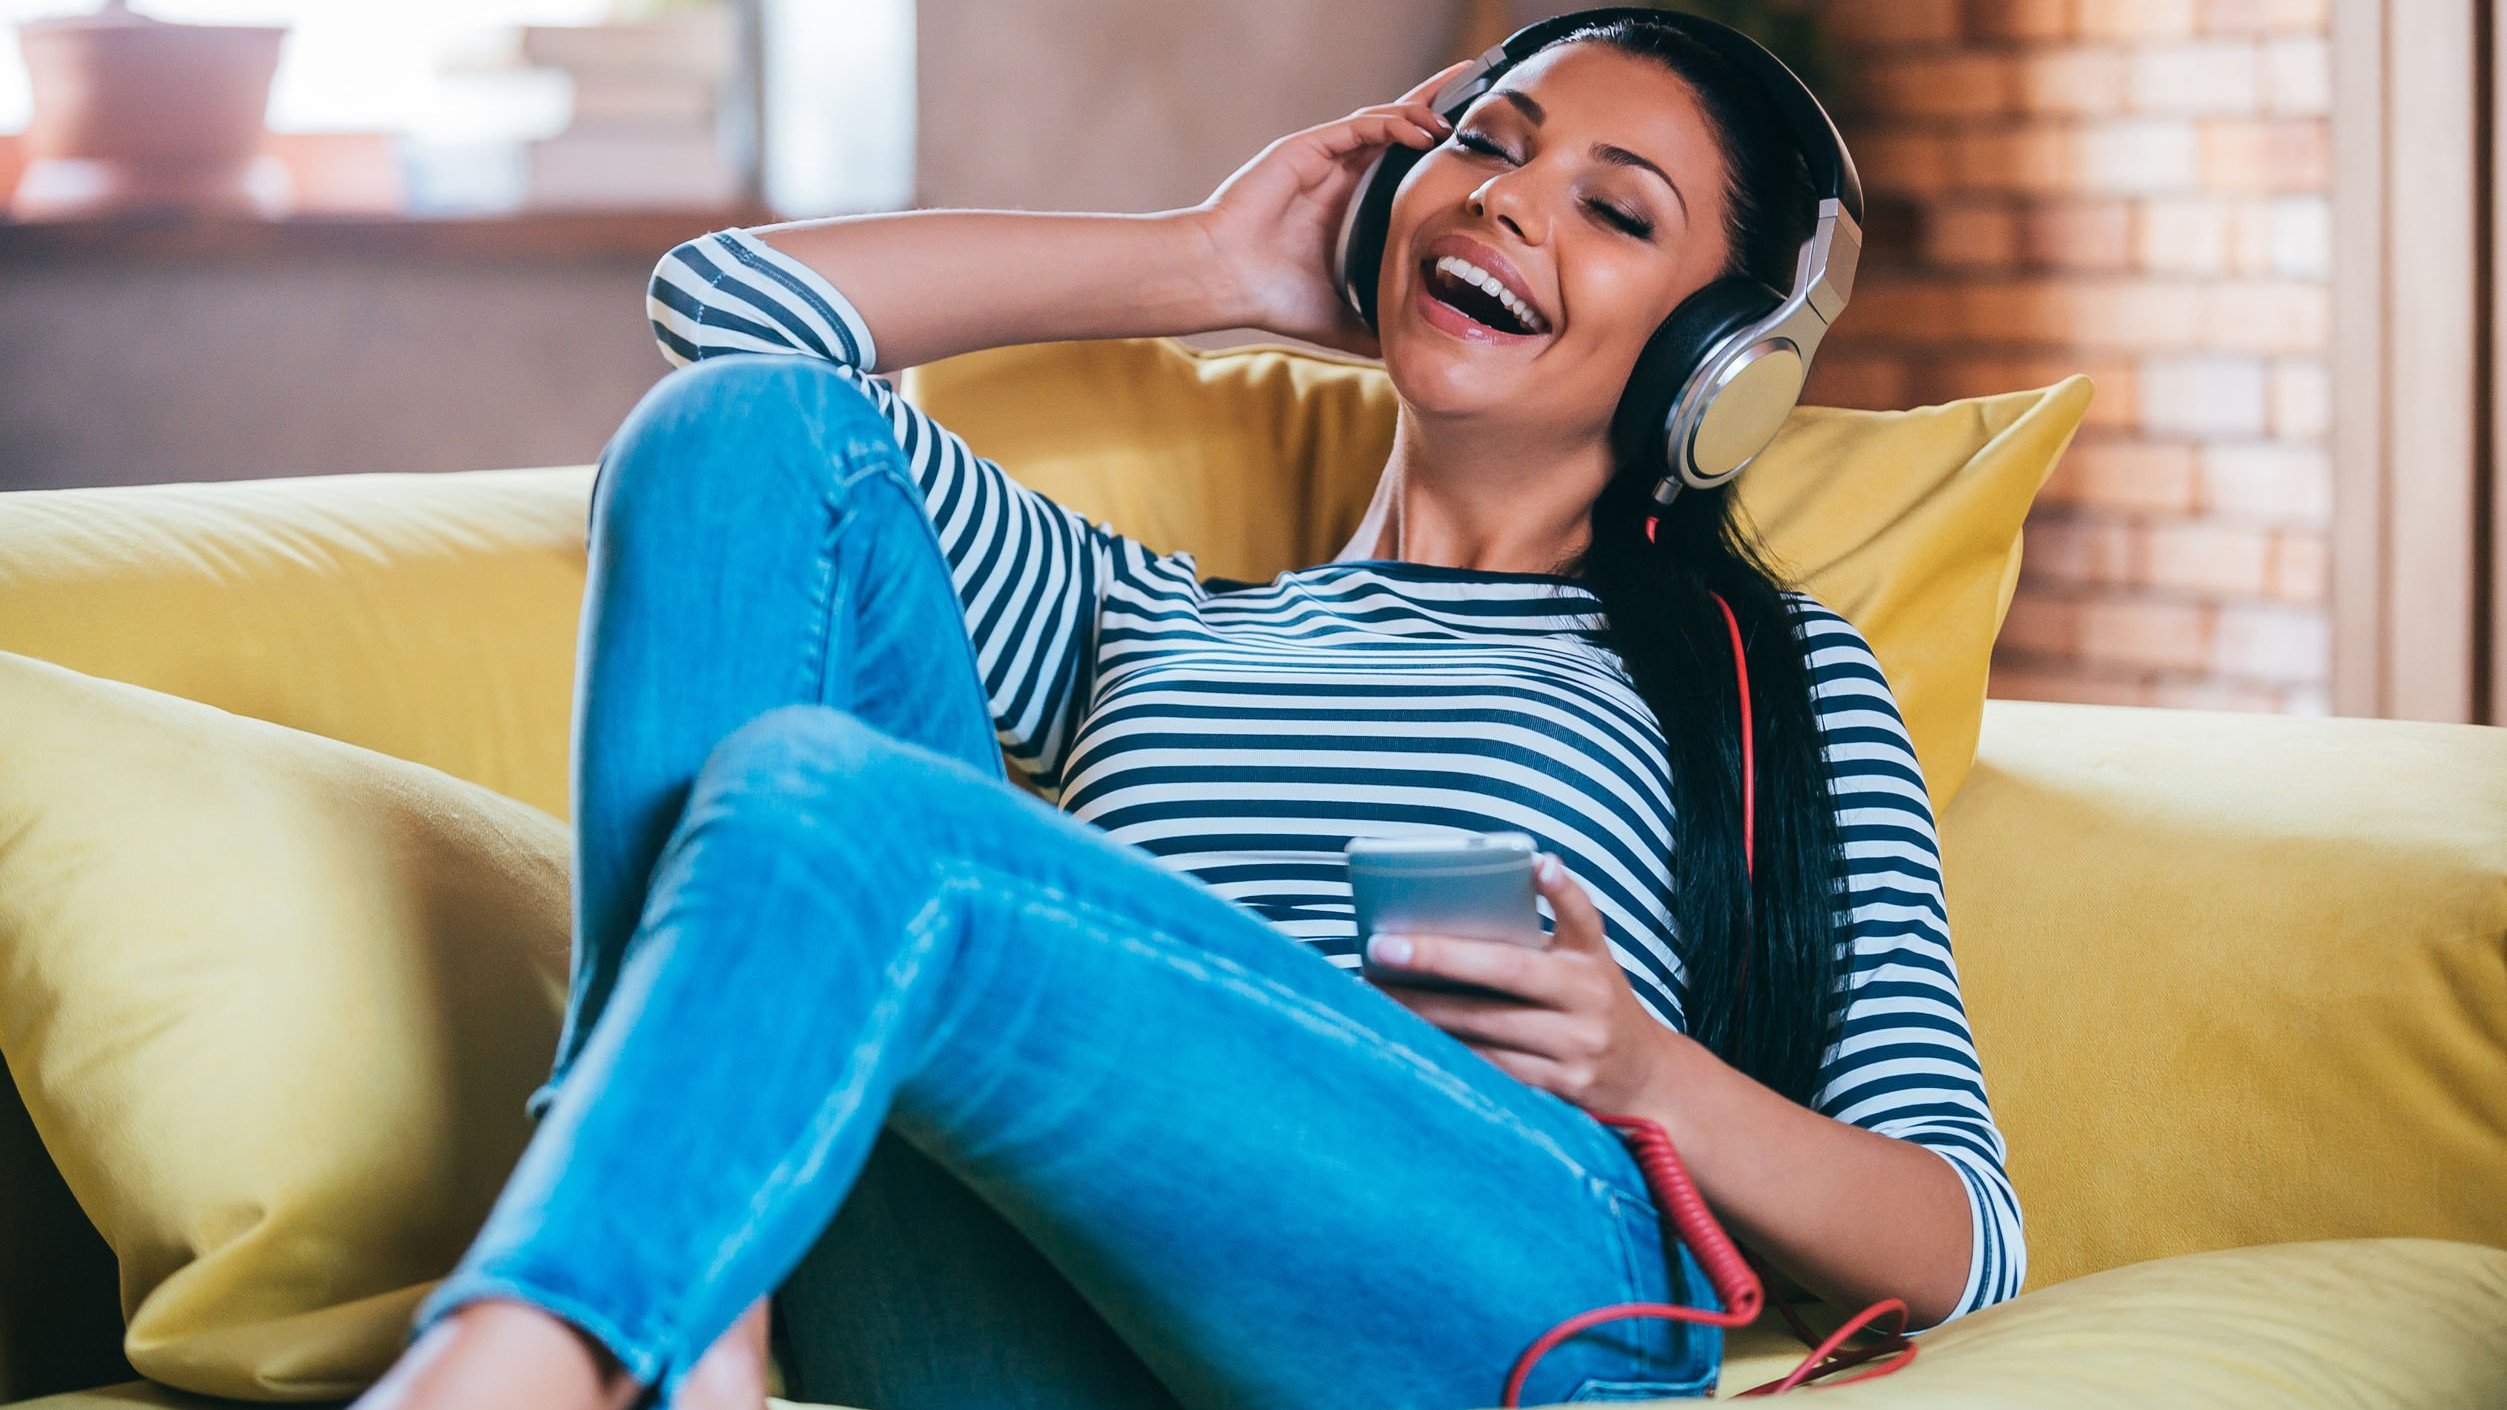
column 1471, row 884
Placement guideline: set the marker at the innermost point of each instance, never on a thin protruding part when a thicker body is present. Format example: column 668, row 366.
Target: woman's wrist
column 1230, row 302
column 1674, row 1070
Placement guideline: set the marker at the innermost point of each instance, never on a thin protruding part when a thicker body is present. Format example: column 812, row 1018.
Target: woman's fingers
column 1363, row 131
column 1579, row 923
column 1505, row 1023
column 1419, row 115
column 1529, row 974
column 1427, row 87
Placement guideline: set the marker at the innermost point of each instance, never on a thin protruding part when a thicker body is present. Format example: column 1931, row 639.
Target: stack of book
column 651, row 124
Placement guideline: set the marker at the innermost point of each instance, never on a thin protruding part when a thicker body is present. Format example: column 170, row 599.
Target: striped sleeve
column 1905, row 1063
column 1030, row 574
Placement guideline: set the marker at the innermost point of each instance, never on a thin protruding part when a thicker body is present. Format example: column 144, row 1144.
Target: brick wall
column 2138, row 190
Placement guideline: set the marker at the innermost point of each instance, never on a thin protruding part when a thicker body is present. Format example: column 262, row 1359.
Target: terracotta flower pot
column 134, row 114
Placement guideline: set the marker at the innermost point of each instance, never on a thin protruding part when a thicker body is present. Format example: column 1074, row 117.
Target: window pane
column 839, row 105
column 359, row 65
column 445, row 76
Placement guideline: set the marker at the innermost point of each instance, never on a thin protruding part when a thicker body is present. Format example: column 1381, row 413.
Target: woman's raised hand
column 1272, row 225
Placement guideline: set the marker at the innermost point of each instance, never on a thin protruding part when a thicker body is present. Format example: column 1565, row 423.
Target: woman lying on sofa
column 1014, row 1104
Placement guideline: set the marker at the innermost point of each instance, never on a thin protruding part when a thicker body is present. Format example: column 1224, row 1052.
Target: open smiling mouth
column 1482, row 310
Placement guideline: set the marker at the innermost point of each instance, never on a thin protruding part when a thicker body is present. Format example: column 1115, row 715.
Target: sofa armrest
column 2236, row 978
column 431, row 617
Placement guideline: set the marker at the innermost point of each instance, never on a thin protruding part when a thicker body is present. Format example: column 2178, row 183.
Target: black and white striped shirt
column 1241, row 733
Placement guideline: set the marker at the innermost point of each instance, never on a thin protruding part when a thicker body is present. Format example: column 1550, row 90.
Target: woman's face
column 1601, row 207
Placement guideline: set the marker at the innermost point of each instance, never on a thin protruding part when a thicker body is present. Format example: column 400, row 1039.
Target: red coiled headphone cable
column 1689, row 1221
column 1728, row 1270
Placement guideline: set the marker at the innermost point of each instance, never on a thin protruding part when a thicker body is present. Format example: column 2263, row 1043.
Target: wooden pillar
column 2416, row 330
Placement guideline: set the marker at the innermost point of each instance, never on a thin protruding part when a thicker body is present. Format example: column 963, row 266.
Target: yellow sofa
column 2239, row 983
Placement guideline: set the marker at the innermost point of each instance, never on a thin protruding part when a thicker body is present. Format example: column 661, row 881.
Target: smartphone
column 1471, row 884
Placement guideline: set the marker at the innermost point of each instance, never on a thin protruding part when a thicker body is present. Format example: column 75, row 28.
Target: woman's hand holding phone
column 1562, row 1018
column 1273, row 224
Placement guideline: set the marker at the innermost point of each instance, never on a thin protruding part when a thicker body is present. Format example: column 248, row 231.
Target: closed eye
column 1642, row 229
column 1637, row 226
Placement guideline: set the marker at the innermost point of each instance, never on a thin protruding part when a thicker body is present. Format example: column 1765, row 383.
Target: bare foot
column 496, row 1353
column 731, row 1375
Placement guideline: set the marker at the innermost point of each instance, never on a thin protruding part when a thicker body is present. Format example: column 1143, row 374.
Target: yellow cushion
column 274, row 1003
column 428, row 617
column 2236, row 978
column 1262, row 459
column 2370, row 1324
column 443, row 606
column 2367, row 1324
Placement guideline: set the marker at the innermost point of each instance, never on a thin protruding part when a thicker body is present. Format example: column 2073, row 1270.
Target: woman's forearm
column 1850, row 1214
column 932, row 284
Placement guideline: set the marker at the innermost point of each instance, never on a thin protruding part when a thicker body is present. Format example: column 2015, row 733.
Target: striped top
column 1241, row 733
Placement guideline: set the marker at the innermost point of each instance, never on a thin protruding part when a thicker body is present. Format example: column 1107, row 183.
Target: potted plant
column 132, row 113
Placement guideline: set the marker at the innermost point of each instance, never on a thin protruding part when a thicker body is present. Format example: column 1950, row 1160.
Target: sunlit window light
column 441, row 76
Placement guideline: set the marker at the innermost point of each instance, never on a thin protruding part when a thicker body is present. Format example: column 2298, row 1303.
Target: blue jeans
column 1007, row 1115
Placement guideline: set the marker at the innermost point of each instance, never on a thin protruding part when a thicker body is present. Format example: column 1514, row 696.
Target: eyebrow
column 1604, row 151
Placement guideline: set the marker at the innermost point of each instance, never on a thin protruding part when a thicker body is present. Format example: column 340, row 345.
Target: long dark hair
column 1763, row 959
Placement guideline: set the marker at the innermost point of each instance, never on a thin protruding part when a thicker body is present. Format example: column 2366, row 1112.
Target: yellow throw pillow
column 1261, row 459
column 2237, row 978
column 274, row 1003
column 2363, row 1324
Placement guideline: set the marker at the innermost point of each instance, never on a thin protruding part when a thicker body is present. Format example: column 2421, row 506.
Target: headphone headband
column 1823, row 150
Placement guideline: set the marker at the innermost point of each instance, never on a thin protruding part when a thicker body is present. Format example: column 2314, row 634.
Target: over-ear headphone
column 1715, row 382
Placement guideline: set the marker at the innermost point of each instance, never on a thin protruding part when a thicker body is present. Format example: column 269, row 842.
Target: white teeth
column 1470, row 273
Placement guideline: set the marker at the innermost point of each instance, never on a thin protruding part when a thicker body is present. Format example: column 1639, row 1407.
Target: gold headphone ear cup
column 1745, row 412
column 1641, row 427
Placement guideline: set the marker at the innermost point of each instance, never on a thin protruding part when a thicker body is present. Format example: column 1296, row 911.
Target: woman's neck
column 1480, row 505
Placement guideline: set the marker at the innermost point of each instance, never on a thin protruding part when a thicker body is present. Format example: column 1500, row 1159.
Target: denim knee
column 790, row 753
column 819, row 788
column 722, row 434
column 821, row 776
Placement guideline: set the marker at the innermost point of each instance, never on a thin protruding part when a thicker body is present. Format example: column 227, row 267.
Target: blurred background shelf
column 153, row 349
column 518, row 236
